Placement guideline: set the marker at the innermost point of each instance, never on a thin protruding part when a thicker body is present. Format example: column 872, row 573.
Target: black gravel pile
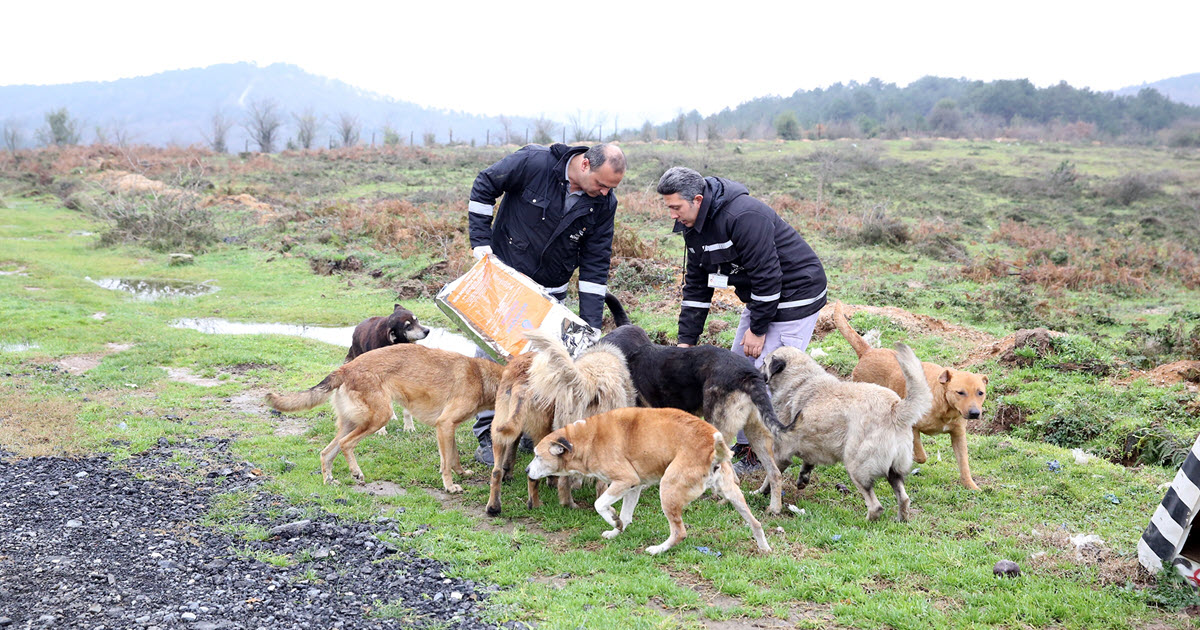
column 84, row 544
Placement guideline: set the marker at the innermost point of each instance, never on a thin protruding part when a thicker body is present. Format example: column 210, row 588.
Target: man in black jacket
column 556, row 215
column 735, row 240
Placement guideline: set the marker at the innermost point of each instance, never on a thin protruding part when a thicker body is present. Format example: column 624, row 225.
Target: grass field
column 966, row 242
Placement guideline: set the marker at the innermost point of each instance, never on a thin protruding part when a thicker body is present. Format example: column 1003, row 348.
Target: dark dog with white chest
column 723, row 387
column 377, row 332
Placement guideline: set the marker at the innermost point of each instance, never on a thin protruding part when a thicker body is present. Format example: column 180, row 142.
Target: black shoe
column 483, row 454
column 748, row 461
column 525, row 445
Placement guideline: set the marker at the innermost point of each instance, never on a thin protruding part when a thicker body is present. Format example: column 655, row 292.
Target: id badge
column 718, row 281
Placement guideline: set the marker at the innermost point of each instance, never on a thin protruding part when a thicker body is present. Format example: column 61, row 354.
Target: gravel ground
column 84, row 544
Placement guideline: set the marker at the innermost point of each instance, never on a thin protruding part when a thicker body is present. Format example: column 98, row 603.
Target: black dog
column 723, row 387
column 377, row 332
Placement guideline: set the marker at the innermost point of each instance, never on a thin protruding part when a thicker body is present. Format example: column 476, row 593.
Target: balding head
column 609, row 154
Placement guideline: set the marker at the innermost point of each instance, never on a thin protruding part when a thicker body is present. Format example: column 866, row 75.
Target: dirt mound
column 1168, row 374
column 126, row 182
column 1039, row 338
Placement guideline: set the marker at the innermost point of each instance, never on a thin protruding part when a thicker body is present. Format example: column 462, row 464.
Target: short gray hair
column 602, row 154
column 682, row 180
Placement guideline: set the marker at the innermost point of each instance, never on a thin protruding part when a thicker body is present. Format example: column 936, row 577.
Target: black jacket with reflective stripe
column 531, row 232
column 770, row 267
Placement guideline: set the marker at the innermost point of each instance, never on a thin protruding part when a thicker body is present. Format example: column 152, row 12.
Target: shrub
column 1131, row 187
column 161, row 220
column 880, row 229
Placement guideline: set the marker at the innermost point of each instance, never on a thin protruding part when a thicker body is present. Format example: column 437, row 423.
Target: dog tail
column 309, row 398
column 617, row 309
column 859, row 344
column 918, row 399
column 760, row 395
column 550, row 346
column 721, row 451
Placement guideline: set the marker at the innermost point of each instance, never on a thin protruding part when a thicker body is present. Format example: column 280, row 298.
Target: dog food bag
column 494, row 305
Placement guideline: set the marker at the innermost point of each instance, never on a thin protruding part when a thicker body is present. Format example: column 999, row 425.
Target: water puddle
column 12, row 270
column 17, row 347
column 151, row 290
column 437, row 338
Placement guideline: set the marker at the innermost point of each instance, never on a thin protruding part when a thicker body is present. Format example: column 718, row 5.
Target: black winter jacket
column 767, row 263
column 531, row 232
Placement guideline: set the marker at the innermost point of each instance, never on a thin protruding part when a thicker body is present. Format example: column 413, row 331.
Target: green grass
column 829, row 567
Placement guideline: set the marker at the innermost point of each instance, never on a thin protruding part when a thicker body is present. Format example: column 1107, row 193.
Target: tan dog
column 636, row 447
column 958, row 395
column 440, row 388
column 543, row 391
column 864, row 426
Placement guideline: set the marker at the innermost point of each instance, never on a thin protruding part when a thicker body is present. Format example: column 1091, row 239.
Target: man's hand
column 481, row 251
column 752, row 344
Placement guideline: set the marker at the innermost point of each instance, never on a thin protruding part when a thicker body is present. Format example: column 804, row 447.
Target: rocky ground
column 86, row 543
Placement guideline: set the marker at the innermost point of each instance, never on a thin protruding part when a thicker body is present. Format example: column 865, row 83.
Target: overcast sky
column 629, row 61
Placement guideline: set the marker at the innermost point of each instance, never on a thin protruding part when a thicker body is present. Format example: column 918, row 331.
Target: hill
column 1182, row 89
column 177, row 107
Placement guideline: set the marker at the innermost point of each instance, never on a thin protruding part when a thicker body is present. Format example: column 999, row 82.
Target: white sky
column 620, row 60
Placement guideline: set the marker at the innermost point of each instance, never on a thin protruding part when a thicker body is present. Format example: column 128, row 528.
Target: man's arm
column 697, row 300
column 595, row 258
column 753, row 236
column 489, row 185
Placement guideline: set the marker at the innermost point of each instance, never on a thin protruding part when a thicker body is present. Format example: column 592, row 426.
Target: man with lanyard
column 735, row 240
column 556, row 214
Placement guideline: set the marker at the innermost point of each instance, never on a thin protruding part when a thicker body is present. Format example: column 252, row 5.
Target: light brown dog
column 636, row 447
column 862, row 425
column 440, row 388
column 958, row 395
column 544, row 390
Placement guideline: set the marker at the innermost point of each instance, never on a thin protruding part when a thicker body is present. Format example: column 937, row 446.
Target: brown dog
column 636, row 447
column 545, row 389
column 440, row 388
column 958, row 395
column 377, row 332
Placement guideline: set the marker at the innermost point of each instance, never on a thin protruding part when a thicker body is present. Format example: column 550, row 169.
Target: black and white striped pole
column 1168, row 540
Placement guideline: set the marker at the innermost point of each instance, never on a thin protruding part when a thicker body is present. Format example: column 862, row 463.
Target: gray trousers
column 796, row 333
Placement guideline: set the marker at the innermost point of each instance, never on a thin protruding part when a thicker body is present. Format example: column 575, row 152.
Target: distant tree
column 506, row 124
column 787, row 127
column 12, row 137
column 60, row 129
column 541, row 131
column 263, row 123
column 581, row 127
column 348, row 128
column 391, row 137
column 430, row 139
column 1151, row 110
column 218, row 131
column 712, row 132
column 945, row 119
column 829, row 166
column 306, row 128
column 681, row 128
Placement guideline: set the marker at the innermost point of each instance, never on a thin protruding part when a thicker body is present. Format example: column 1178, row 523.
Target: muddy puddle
column 438, row 337
column 17, row 347
column 151, row 290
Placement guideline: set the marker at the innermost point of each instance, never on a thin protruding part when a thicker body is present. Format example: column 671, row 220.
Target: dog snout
column 974, row 414
column 420, row 333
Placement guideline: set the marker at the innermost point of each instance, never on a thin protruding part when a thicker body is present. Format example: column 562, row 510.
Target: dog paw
column 657, row 549
column 381, row 431
column 409, row 427
column 465, row 472
column 453, row 488
column 332, row 482
column 610, row 534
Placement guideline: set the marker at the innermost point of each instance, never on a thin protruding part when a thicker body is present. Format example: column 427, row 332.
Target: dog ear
column 944, row 377
column 560, row 446
column 775, row 365
column 395, row 307
column 985, row 379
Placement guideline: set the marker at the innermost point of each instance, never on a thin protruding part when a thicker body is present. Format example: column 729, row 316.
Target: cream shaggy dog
column 545, row 390
column 865, row 426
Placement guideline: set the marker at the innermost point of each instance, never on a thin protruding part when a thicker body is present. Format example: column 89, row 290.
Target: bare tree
column 348, row 129
column 581, row 127
column 263, row 123
column 12, row 137
column 541, row 131
column 218, row 132
column 306, row 128
column 829, row 166
column 506, row 124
